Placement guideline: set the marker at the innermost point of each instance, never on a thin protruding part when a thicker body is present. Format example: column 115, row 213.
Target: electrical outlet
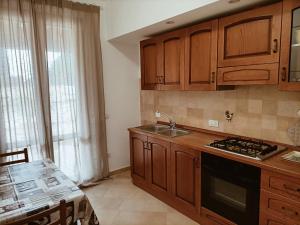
column 213, row 123
column 157, row 114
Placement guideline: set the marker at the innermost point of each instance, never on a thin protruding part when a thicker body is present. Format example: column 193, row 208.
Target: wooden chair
column 62, row 220
column 4, row 155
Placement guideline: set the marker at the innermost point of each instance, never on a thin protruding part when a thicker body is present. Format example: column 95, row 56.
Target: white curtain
column 52, row 91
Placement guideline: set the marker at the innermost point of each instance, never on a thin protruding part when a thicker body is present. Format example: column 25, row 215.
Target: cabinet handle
column 291, row 189
column 149, row 146
column 213, row 77
column 283, row 74
column 290, row 211
column 197, row 162
column 275, row 47
column 158, row 79
column 145, row 145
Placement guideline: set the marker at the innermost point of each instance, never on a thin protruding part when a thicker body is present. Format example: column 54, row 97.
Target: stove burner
column 247, row 147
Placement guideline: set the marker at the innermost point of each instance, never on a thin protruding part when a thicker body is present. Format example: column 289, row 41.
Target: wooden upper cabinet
column 149, row 64
column 185, row 167
column 201, row 56
column 162, row 62
column 250, row 37
column 159, row 163
column 171, row 60
column 289, row 78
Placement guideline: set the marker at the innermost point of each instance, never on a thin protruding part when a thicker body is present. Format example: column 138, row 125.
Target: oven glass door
column 230, row 197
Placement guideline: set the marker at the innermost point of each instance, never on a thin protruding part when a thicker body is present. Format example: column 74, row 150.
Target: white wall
column 126, row 16
column 121, row 89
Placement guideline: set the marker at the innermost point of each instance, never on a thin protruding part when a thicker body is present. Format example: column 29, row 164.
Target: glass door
column 290, row 47
column 294, row 75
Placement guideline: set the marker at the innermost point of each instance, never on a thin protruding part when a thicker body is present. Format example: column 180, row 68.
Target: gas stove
column 257, row 150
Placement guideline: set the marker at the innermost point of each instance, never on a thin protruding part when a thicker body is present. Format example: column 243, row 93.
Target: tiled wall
column 259, row 111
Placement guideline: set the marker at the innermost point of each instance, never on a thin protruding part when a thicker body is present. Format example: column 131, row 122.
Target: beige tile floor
column 118, row 202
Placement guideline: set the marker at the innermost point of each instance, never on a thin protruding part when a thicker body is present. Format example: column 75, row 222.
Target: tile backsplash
column 259, row 111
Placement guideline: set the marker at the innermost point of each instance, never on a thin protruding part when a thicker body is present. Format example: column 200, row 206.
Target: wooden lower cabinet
column 138, row 156
column 158, row 161
column 171, row 172
column 270, row 219
column 281, row 207
column 279, row 199
column 150, row 161
column 185, row 170
column 281, row 184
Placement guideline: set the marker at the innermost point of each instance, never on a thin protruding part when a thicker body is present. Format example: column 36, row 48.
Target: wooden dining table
column 30, row 188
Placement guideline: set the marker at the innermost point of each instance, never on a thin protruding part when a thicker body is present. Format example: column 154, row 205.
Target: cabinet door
column 159, row 164
column 185, row 166
column 251, row 37
column 138, row 156
column 270, row 219
column 201, row 56
column 290, row 47
column 171, row 60
column 149, row 64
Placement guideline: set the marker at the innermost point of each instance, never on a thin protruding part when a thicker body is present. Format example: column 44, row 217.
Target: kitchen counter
column 198, row 139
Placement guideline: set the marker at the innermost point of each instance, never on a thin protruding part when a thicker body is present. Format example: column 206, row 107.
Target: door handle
column 162, row 79
column 283, row 74
column 197, row 162
column 157, row 79
column 289, row 211
column 145, row 145
column 275, row 46
column 213, row 77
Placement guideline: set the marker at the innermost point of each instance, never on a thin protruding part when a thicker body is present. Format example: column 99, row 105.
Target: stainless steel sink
column 173, row 132
column 164, row 130
column 154, row 128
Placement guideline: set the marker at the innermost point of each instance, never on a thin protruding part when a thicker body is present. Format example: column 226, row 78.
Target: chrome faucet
column 172, row 123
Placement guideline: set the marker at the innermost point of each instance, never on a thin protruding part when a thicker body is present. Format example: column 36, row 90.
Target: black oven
column 230, row 189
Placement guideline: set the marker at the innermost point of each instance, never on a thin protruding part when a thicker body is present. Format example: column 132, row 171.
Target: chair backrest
column 62, row 220
column 4, row 155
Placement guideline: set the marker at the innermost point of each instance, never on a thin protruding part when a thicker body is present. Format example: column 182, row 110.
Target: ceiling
column 213, row 10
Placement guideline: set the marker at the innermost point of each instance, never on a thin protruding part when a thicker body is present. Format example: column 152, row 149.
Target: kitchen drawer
column 246, row 75
column 211, row 218
column 269, row 219
column 281, row 207
column 281, row 184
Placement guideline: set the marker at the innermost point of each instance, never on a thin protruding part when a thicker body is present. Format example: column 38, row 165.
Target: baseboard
column 121, row 170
